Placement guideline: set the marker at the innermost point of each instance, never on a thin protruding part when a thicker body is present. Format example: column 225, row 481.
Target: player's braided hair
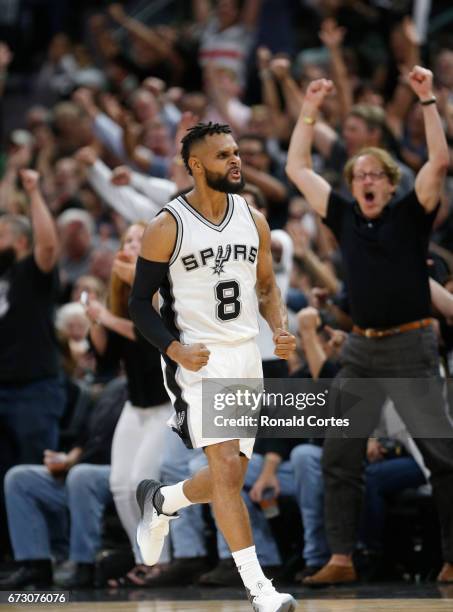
column 197, row 133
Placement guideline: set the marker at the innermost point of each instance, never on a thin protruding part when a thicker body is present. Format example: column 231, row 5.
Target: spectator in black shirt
column 32, row 395
column 384, row 246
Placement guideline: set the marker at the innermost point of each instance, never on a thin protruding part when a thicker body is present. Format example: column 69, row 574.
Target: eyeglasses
column 375, row 176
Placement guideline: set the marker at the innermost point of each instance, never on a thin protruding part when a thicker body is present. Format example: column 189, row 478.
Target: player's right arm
column 157, row 248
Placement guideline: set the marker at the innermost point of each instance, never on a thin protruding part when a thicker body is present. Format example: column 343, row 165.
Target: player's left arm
column 270, row 301
column 429, row 179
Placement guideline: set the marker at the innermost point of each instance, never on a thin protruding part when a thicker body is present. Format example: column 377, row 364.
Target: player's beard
column 221, row 183
column 7, row 259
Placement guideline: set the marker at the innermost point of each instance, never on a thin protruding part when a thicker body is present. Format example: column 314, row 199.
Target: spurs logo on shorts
column 180, row 419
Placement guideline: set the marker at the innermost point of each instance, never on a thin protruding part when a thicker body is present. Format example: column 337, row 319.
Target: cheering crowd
column 96, row 154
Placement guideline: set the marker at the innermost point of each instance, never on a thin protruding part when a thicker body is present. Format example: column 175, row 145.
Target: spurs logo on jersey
column 209, row 294
column 222, row 255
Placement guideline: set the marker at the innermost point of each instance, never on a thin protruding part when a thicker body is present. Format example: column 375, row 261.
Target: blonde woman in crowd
column 139, row 436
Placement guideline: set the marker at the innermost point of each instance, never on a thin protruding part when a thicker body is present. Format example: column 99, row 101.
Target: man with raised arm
column 32, row 396
column 209, row 255
column 384, row 241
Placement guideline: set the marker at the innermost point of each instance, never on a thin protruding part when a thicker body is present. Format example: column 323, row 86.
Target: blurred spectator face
column 154, row 85
column 311, row 72
column 8, row 243
column 145, row 106
column 13, row 244
column 75, row 239
column 132, row 241
column 60, row 46
column 227, row 13
column 227, row 81
column 73, row 130
column 444, row 68
column 253, row 153
column 260, row 121
column 368, row 95
column 92, row 285
column 195, row 103
column 76, row 327
column 157, row 138
column 82, row 56
column 37, row 116
column 91, row 202
column 356, row 135
column 371, row 186
column 67, row 176
column 43, row 135
column 101, row 263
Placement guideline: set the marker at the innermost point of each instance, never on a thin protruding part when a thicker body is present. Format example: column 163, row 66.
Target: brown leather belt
column 391, row 331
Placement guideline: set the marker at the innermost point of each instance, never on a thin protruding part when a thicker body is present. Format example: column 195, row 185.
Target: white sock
column 250, row 569
column 174, row 498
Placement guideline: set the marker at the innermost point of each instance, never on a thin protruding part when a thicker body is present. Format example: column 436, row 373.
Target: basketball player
column 209, row 255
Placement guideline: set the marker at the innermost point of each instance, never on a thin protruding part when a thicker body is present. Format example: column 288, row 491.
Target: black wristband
column 432, row 100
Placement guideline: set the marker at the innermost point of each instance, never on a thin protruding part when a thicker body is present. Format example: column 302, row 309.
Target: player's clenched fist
column 285, row 344
column 191, row 356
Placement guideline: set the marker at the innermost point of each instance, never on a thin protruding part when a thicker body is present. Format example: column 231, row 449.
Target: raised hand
column 331, row 34
column 111, row 106
column 263, row 58
column 20, row 158
column 409, row 30
column 124, row 267
column 121, row 176
column 317, row 91
column 280, row 67
column 85, row 99
column 318, row 297
column 30, row 180
column 116, row 12
column 308, row 319
column 95, row 311
column 421, row 81
column 86, row 156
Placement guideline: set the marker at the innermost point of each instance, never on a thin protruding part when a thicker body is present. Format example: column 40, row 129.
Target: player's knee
column 229, row 473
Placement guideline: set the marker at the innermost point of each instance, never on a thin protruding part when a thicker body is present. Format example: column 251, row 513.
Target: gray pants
column 411, row 355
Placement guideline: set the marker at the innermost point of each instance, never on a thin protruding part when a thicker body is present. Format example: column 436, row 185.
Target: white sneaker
column 154, row 524
column 266, row 599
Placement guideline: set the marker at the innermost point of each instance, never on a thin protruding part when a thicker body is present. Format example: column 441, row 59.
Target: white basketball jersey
column 210, row 292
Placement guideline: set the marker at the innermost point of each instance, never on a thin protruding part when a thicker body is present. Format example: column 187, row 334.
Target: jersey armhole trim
column 252, row 217
column 179, row 233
